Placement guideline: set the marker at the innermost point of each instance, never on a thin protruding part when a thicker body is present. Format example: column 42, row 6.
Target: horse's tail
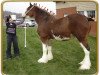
column 90, row 19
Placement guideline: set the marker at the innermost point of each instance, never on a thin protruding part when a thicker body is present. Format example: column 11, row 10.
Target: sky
column 20, row 7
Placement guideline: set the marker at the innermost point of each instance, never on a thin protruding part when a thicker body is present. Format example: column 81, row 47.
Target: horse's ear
column 30, row 4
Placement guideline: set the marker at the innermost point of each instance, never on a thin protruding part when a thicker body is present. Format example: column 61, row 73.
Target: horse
column 60, row 29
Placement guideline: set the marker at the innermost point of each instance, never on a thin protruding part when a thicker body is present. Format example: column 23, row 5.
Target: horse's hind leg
column 86, row 63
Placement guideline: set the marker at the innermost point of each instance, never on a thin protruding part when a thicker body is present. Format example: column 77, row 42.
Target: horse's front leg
column 50, row 56
column 44, row 58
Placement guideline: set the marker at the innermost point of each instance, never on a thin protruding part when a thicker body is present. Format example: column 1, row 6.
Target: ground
column 67, row 55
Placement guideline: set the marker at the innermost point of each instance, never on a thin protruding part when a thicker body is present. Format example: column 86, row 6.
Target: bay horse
column 61, row 29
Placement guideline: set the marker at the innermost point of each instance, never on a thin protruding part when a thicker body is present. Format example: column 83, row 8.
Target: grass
column 67, row 55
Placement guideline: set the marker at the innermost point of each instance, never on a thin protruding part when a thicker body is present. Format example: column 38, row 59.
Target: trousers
column 12, row 39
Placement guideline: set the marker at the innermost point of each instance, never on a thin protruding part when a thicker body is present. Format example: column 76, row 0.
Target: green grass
column 67, row 55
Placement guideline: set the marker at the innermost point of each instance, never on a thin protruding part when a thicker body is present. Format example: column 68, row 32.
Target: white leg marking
column 50, row 56
column 44, row 58
column 86, row 63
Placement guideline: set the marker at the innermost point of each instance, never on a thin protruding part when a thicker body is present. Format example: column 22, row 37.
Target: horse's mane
column 44, row 11
column 45, row 14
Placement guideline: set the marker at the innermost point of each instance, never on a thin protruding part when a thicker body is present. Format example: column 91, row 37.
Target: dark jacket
column 11, row 27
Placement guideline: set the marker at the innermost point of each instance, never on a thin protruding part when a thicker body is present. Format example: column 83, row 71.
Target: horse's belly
column 60, row 38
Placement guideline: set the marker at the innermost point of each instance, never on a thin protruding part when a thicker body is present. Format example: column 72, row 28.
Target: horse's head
column 35, row 11
column 31, row 10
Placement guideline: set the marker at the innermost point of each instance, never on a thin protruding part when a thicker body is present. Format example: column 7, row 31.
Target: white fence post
column 25, row 36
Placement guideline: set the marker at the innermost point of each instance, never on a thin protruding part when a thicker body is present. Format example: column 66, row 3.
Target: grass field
column 67, row 55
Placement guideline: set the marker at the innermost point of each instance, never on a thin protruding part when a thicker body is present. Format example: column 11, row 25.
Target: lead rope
column 26, row 27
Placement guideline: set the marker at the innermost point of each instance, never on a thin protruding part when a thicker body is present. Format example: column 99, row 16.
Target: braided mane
column 46, row 11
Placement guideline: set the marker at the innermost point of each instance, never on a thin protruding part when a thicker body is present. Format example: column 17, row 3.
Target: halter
column 29, row 10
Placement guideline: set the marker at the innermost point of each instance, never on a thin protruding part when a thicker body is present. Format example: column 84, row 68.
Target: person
column 12, row 36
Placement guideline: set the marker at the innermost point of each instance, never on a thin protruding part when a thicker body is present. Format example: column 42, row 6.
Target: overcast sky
column 20, row 7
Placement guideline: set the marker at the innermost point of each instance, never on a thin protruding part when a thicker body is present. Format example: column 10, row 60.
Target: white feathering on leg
column 44, row 58
column 50, row 56
column 86, row 63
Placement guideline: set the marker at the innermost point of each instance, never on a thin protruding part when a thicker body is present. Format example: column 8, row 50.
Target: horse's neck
column 43, row 18
column 39, row 19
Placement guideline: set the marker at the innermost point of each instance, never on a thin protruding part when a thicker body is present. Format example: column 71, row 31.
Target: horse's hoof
column 43, row 60
column 85, row 66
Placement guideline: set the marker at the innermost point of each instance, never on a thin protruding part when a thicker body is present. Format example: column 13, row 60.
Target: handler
column 11, row 36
